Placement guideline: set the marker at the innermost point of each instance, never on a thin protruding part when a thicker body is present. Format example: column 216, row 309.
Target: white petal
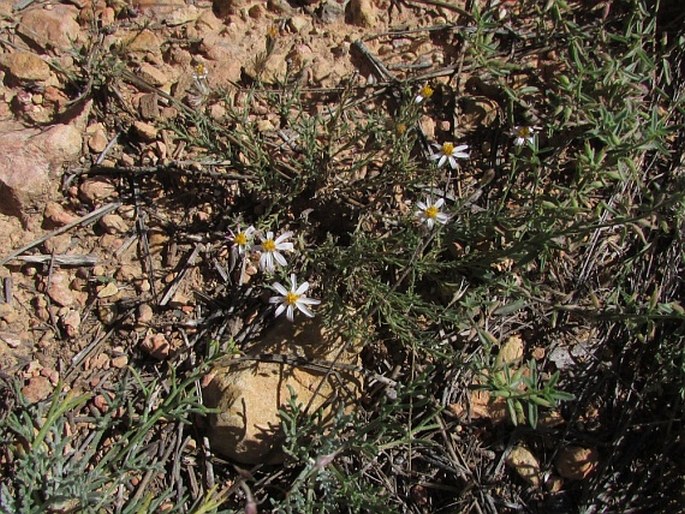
column 422, row 206
column 429, row 222
column 440, row 202
column 279, row 287
column 286, row 247
column 280, row 259
column 308, row 301
column 453, row 162
column 276, row 299
column 303, row 287
column 304, row 310
column 293, row 281
column 269, row 235
column 283, row 237
column 442, row 160
column 268, row 261
column 418, row 99
column 290, row 313
column 279, row 310
column 436, row 156
column 442, row 218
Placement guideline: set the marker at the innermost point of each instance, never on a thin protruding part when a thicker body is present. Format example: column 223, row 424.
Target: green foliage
column 57, row 466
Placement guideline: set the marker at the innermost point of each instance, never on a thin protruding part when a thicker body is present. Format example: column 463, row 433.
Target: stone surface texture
column 248, row 394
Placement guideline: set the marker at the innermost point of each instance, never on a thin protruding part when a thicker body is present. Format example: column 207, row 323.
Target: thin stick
column 96, row 214
column 7, row 289
column 60, row 260
column 173, row 287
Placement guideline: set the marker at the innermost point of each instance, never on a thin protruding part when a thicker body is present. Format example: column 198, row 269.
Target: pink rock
column 24, row 172
column 59, row 291
column 30, row 160
column 37, row 389
column 72, row 322
column 54, row 28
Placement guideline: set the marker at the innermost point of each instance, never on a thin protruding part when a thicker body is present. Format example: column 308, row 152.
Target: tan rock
column 56, row 215
column 521, row 460
column 128, row 273
column 95, row 190
column 97, row 137
column 481, row 405
column 58, row 244
column 8, row 313
column 114, row 224
column 108, row 290
column 299, row 23
column 51, row 28
column 224, row 8
column 159, row 8
column 145, row 313
column 576, row 463
column 362, row 13
column 37, row 389
column 145, row 41
column 120, row 362
column 511, row 352
column 186, row 14
column 153, row 75
column 248, row 394
column 26, row 66
column 146, row 131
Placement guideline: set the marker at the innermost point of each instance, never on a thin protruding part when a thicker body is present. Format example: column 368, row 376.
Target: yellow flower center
column 523, row 132
column 291, row 298
column 448, row 149
column 269, row 245
column 272, row 31
column 200, row 69
column 426, row 91
column 431, row 212
column 401, row 128
column 240, row 239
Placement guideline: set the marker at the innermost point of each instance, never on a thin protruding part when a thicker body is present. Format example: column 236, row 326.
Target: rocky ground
column 80, row 269
column 114, row 244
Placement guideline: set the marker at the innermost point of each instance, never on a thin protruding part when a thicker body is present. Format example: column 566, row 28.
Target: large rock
column 248, row 393
column 26, row 66
column 54, row 28
column 30, row 159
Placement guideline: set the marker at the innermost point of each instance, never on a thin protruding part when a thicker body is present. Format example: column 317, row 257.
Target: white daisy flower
column 200, row 72
column 429, row 212
column 242, row 239
column 271, row 250
column 424, row 94
column 523, row 134
column 450, row 153
column 295, row 298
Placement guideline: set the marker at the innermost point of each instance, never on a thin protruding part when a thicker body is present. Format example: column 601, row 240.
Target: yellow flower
column 424, row 94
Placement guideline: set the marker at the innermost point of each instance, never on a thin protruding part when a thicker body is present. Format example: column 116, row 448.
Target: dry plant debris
column 485, row 196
